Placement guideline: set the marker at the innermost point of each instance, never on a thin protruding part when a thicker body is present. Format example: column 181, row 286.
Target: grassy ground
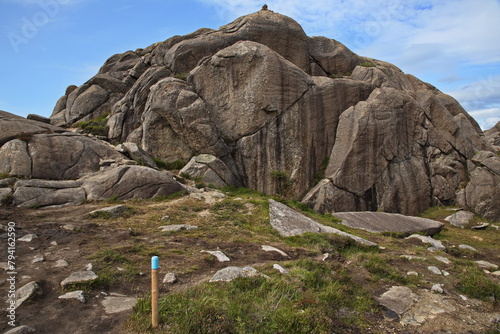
column 336, row 295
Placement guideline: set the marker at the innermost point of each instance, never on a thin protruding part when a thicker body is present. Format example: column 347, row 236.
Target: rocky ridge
column 257, row 103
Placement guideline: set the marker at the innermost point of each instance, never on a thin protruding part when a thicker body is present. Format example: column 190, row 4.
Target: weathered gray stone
column 442, row 259
column 78, row 295
column 79, row 277
column 178, row 227
column 211, row 170
column 61, row 264
column 23, row 329
column 281, row 269
column 398, row 299
column 28, row 291
column 230, row 273
column 38, row 259
column 170, row 278
column 127, row 182
column 28, row 197
column 460, row 219
column 437, row 288
column 467, row 247
column 113, row 211
column 14, row 158
column 379, row 222
column 138, row 154
column 117, row 304
column 434, row 243
column 5, row 196
column 435, row 270
column 28, row 237
column 274, row 249
column 486, row 265
column 289, row 222
column 38, row 118
column 220, row 256
column 480, row 226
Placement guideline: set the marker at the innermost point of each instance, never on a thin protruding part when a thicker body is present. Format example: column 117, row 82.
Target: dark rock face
column 282, row 111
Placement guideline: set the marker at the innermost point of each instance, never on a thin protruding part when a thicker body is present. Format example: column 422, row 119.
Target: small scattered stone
column 170, row 278
column 69, row 227
column 496, row 273
column 113, row 211
column 79, row 277
column 117, row 304
column 460, row 219
column 28, row 238
column 325, row 256
column 21, row 330
column 89, row 267
column 273, row 249
column 438, row 288
column 435, row 270
column 445, row 273
column 230, row 273
column 464, row 298
column 436, row 244
column 28, row 291
column 179, row 227
column 413, row 257
column 398, row 299
column 165, row 218
column 480, row 227
column 38, row 259
column 486, row 265
column 281, row 269
column 78, row 295
column 221, row 257
column 442, row 259
column 467, row 247
column 120, row 269
column 412, row 273
column 61, row 264
column 53, row 243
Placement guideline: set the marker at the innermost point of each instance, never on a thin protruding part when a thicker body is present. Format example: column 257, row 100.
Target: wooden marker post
column 154, row 291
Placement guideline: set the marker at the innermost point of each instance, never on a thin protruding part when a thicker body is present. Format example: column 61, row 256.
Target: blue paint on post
column 155, row 263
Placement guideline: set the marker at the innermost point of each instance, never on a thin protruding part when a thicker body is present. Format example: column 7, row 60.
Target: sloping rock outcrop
column 299, row 116
column 50, row 166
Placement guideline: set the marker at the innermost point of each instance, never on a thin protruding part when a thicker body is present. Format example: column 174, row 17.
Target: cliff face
column 296, row 115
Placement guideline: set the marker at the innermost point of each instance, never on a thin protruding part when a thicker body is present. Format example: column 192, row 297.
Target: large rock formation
column 300, row 116
column 44, row 165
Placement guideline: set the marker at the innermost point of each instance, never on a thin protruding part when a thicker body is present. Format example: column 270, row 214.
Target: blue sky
column 46, row 45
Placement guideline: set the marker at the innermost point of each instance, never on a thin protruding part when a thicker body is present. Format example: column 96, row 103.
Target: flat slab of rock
column 177, row 227
column 79, row 277
column 267, row 248
column 460, row 219
column 487, row 265
column 380, row 222
column 78, row 295
column 289, row 222
column 21, row 330
column 113, row 211
column 117, row 304
column 398, row 299
column 221, row 257
column 436, row 244
column 230, row 273
column 28, row 291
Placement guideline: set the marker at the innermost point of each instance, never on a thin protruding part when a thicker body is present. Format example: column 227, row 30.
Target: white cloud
column 487, row 118
column 479, row 94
